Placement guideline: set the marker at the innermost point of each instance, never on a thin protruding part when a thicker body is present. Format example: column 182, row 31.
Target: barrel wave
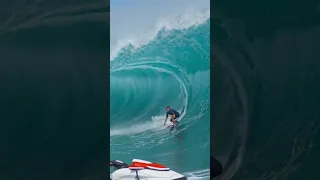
column 173, row 68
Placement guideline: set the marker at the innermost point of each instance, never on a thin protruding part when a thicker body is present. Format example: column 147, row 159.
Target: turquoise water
column 172, row 69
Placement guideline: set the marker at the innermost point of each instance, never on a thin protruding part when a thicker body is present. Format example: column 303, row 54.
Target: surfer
column 174, row 115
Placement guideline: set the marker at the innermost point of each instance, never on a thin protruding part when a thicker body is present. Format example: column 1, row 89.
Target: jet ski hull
column 145, row 174
column 143, row 170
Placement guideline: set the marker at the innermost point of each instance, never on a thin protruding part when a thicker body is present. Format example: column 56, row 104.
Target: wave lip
column 189, row 19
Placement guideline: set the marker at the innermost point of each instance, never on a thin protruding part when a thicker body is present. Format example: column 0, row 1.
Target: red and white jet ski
column 142, row 170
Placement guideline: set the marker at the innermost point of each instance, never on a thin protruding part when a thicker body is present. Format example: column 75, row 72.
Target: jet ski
column 142, row 170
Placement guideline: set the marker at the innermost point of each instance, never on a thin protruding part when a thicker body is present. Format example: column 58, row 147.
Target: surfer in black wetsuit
column 174, row 115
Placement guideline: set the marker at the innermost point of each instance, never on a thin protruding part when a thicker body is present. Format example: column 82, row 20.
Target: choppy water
column 170, row 69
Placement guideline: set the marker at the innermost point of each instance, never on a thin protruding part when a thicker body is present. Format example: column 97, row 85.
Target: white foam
column 203, row 174
column 154, row 124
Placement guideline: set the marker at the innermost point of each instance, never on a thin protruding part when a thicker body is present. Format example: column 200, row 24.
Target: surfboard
column 172, row 126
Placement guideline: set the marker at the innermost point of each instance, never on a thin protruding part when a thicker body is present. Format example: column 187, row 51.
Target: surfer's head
column 168, row 108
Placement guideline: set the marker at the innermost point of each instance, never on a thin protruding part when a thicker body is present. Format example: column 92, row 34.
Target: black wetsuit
column 173, row 112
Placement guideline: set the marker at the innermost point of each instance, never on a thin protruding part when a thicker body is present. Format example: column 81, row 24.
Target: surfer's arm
column 166, row 119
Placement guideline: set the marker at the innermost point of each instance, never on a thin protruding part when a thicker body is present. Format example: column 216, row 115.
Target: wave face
column 171, row 69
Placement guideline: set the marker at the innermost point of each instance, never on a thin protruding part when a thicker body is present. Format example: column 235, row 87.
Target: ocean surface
column 172, row 68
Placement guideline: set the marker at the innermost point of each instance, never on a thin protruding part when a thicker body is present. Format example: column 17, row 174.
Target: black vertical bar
column 216, row 168
column 54, row 90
